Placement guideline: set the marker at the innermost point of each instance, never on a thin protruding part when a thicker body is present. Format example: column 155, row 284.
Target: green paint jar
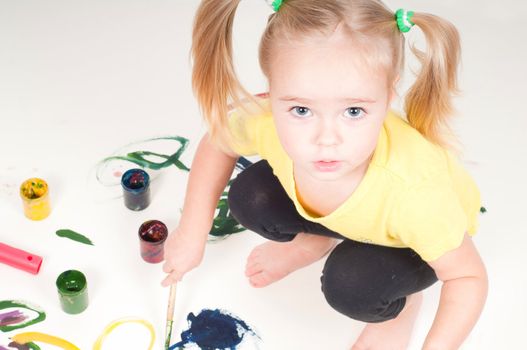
column 73, row 291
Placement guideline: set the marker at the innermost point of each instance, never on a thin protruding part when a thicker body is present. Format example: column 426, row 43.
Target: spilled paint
column 25, row 341
column 24, row 338
column 224, row 224
column 16, row 346
column 12, row 317
column 109, row 329
column 214, row 329
column 74, row 236
column 148, row 159
column 18, row 314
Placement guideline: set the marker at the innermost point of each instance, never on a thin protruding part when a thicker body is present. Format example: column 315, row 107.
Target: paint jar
column 152, row 236
column 73, row 291
column 136, row 189
column 35, row 198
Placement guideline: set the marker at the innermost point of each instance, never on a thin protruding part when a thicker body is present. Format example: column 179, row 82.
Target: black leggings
column 363, row 281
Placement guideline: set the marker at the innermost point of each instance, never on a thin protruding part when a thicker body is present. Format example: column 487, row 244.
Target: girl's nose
column 327, row 133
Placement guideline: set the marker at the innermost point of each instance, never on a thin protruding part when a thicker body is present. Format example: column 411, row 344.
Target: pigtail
column 213, row 77
column 428, row 103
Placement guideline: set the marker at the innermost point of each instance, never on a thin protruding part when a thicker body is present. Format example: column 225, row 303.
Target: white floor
column 80, row 80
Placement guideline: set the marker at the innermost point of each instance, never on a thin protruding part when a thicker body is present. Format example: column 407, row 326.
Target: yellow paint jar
column 35, row 198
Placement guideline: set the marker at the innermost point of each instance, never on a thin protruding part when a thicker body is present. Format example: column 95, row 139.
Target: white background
column 81, row 79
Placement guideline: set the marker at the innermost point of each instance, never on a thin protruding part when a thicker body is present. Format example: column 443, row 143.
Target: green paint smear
column 74, row 236
column 224, row 223
column 6, row 304
column 139, row 157
column 483, row 210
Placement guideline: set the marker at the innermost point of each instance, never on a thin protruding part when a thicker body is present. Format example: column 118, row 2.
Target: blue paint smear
column 214, row 329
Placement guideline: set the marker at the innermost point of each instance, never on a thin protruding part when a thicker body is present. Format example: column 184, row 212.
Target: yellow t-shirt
column 414, row 194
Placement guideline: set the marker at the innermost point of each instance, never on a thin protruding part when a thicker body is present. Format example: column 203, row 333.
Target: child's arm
column 463, row 295
column 210, row 172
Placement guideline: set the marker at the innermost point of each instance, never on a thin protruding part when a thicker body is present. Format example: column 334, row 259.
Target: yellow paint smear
column 27, row 337
column 117, row 323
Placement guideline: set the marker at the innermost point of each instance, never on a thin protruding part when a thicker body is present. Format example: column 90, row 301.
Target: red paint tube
column 20, row 259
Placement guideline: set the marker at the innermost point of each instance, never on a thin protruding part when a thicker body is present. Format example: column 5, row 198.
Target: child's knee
column 347, row 290
column 359, row 304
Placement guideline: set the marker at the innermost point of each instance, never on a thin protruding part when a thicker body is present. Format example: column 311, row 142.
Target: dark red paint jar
column 152, row 237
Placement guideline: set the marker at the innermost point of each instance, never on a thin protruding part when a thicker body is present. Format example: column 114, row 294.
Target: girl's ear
column 393, row 88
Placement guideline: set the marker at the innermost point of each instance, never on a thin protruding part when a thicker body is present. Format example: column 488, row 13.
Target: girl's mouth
column 327, row 166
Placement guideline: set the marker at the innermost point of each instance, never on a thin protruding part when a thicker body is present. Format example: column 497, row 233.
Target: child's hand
column 183, row 252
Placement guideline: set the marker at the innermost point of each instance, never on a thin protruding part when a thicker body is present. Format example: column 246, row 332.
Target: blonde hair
column 372, row 26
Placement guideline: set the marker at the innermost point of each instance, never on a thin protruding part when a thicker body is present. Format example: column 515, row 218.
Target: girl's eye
column 354, row 113
column 300, row 112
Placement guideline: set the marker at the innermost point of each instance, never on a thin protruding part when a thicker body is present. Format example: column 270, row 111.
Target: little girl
column 341, row 173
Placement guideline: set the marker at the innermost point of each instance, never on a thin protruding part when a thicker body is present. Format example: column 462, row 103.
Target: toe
column 259, row 280
column 252, row 269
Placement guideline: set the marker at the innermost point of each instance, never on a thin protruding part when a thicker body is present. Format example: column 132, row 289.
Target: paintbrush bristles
column 170, row 315
column 168, row 334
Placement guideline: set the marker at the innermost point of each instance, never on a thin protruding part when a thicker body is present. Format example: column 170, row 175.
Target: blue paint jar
column 136, row 189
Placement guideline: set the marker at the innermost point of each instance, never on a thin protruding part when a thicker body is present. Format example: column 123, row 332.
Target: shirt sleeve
column 430, row 220
column 244, row 130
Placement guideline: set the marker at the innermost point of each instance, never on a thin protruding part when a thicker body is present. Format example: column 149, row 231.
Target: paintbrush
column 170, row 315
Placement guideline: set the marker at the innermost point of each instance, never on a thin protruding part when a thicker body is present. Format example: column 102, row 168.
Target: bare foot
column 393, row 334
column 272, row 261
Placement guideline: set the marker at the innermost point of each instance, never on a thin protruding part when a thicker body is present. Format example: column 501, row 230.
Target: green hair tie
column 275, row 4
column 404, row 20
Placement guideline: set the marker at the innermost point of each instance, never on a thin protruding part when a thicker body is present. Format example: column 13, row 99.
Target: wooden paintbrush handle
column 170, row 315
column 171, row 302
